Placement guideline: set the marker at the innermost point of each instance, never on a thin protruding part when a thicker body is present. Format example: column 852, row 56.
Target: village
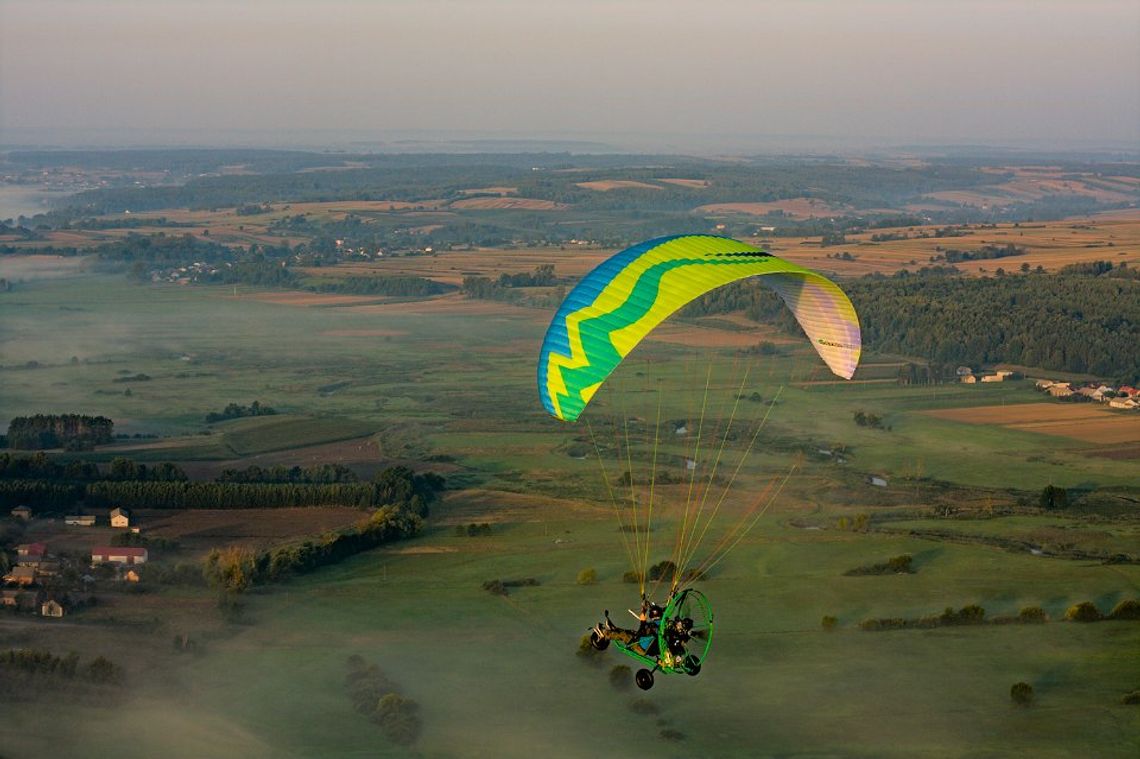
column 1123, row 398
column 54, row 584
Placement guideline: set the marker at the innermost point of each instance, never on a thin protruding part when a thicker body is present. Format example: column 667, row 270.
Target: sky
column 713, row 72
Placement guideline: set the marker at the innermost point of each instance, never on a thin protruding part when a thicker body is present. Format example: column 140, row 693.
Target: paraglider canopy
column 618, row 303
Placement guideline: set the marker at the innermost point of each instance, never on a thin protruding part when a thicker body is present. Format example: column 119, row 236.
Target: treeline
column 235, row 569
column 310, row 475
column 395, row 485
column 1086, row 611
column 234, row 411
column 1070, row 322
column 41, row 663
column 71, row 431
column 383, row 285
column 377, row 697
column 485, row 288
column 984, row 253
column 40, row 467
column 1084, row 319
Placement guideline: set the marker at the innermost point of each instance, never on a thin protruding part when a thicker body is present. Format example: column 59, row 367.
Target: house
column 121, row 555
column 48, row 568
column 993, row 378
column 80, row 520
column 21, row 576
column 51, row 608
column 21, row 600
column 21, row 512
column 30, row 551
column 879, row 482
column 132, row 575
column 120, row 517
column 1060, row 390
column 1128, row 391
column 1123, row 403
column 963, row 371
column 969, row 379
column 1043, row 384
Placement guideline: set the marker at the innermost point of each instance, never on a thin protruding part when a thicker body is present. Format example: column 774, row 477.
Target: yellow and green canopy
column 618, row 303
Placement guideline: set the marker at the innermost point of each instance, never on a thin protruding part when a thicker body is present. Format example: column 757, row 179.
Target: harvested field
column 1052, row 245
column 1079, row 421
column 797, row 208
column 605, row 185
column 697, row 184
column 1117, row 453
column 1036, row 182
column 526, row 204
column 198, row 530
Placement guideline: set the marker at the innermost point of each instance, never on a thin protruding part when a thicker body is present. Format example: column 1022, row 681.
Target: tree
column 1021, row 693
column 588, row 576
column 1054, row 498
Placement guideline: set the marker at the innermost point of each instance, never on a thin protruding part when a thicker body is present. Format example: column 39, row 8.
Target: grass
column 498, row 676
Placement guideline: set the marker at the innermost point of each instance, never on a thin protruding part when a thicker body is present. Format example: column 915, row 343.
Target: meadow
column 498, row 676
column 447, row 384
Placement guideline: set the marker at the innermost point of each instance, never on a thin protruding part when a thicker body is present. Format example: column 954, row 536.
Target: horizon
column 870, row 75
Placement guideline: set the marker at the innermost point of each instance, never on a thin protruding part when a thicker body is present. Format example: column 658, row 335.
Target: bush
column 1131, row 699
column 1129, row 609
column 588, row 576
column 621, row 676
column 967, row 615
column 672, row 735
column 900, row 563
column 1032, row 615
column 399, row 718
column 1085, row 611
column 631, row 577
column 1021, row 693
column 829, row 623
column 496, row 587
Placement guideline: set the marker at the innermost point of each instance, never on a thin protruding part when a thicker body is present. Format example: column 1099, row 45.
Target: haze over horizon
column 663, row 75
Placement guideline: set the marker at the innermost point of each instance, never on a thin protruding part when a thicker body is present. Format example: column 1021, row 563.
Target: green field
column 499, row 677
column 453, row 381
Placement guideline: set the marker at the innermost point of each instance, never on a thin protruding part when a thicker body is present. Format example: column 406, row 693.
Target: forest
column 1084, row 319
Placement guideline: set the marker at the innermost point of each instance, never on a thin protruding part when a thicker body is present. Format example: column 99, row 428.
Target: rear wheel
column 599, row 642
column 644, row 679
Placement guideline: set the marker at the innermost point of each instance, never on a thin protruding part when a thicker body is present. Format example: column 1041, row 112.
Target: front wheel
column 644, row 679
column 691, row 665
column 599, row 642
